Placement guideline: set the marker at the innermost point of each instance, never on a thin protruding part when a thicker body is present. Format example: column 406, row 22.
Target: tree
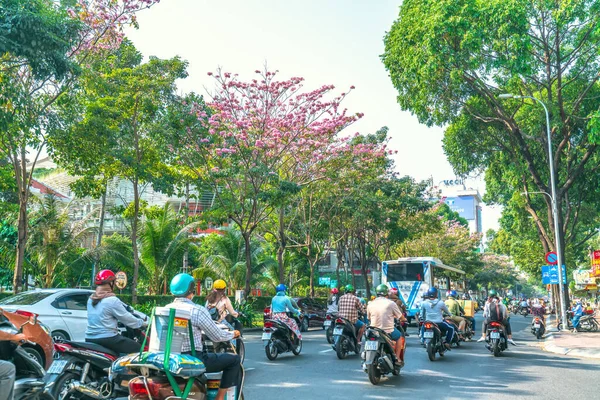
column 449, row 61
column 123, row 99
column 256, row 130
column 44, row 46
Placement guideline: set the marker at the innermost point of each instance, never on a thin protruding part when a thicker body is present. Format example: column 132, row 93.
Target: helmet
column 182, row 285
column 453, row 294
column 492, row 293
column 219, row 284
column 349, row 288
column 432, row 293
column 382, row 290
column 281, row 288
column 105, row 276
column 334, row 290
column 394, row 291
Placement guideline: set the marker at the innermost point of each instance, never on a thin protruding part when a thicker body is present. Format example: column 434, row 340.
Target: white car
column 63, row 311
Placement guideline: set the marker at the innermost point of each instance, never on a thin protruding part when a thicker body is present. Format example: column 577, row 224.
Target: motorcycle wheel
column 329, row 336
column 60, row 390
column 374, row 374
column 339, row 348
column 304, row 325
column 241, row 351
column 538, row 334
column 496, row 348
column 594, row 326
column 271, row 350
column 296, row 350
column 431, row 351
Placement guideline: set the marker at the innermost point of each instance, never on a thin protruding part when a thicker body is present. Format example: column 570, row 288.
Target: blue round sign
column 551, row 257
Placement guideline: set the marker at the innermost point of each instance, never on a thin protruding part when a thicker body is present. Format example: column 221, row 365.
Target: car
column 64, row 311
column 41, row 347
column 314, row 312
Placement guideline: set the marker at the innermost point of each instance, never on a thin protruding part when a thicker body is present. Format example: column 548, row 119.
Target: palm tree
column 163, row 243
column 292, row 264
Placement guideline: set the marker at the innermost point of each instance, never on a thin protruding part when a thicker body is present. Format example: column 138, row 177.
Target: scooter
column 344, row 338
column 496, row 338
column 29, row 383
column 235, row 346
column 538, row 328
column 278, row 338
column 328, row 325
column 379, row 355
column 434, row 341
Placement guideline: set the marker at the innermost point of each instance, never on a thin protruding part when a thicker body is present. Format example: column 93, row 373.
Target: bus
column 413, row 276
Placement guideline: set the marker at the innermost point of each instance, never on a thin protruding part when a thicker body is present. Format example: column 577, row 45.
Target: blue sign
column 333, row 283
column 463, row 205
column 324, row 280
column 550, row 274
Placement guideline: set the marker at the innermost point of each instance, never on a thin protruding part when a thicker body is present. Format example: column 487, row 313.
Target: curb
column 549, row 346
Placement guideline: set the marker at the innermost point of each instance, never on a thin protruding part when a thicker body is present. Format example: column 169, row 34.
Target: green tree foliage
column 449, row 61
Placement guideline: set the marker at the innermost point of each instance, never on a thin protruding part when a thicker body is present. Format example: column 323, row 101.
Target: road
column 470, row 372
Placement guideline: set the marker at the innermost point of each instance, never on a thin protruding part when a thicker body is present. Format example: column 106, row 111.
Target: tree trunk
column 340, row 263
column 21, row 243
column 100, row 233
column 282, row 243
column 187, row 215
column 248, row 253
column 351, row 262
column 366, row 278
column 134, row 232
column 312, row 278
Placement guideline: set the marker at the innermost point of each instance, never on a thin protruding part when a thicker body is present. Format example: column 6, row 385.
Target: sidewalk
column 581, row 344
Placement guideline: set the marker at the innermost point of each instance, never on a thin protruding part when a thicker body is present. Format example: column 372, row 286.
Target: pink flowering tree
column 265, row 138
column 50, row 44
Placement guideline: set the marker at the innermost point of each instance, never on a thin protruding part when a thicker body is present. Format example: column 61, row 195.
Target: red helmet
column 105, row 276
column 393, row 291
column 334, row 290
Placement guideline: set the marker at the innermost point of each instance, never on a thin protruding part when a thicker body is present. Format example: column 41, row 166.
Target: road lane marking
column 326, row 351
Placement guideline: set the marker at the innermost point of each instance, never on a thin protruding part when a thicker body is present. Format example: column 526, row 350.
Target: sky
column 335, row 42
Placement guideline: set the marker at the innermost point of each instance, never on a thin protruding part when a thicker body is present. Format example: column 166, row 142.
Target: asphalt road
column 470, row 372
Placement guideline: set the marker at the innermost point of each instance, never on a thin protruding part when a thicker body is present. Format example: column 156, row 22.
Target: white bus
column 412, row 276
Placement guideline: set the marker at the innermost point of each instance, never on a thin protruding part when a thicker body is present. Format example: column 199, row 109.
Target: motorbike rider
column 219, row 305
column 433, row 309
column 280, row 305
column 577, row 314
column 349, row 306
column 183, row 287
column 471, row 320
column 7, row 369
column 456, row 311
column 494, row 310
column 382, row 312
column 104, row 312
column 523, row 304
column 332, row 301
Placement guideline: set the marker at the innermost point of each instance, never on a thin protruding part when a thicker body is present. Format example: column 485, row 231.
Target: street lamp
column 559, row 254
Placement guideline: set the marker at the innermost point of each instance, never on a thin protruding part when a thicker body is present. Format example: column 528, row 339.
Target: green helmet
column 492, row 293
column 182, row 285
column 349, row 288
column 382, row 290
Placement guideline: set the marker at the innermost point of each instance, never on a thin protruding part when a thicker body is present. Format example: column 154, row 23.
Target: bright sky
column 326, row 42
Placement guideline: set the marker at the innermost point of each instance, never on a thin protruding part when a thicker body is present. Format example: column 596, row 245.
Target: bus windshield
column 405, row 272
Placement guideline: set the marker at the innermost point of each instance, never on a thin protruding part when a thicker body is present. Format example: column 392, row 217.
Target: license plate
column 338, row 331
column 536, row 325
column 495, row 335
column 326, row 324
column 428, row 334
column 371, row 345
column 57, row 367
column 266, row 336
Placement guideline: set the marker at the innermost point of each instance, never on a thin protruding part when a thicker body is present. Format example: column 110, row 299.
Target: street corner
column 573, row 344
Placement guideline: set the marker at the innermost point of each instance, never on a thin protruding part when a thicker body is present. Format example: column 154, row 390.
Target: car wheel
column 304, row 325
column 36, row 355
column 60, row 336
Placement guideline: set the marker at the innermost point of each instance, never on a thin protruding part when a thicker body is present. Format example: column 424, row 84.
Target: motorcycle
column 379, row 355
column 235, row 346
column 496, row 338
column 80, row 369
column 328, row 325
column 455, row 339
column 278, row 338
column 434, row 341
column 538, row 328
column 344, row 338
column 29, row 382
column 524, row 311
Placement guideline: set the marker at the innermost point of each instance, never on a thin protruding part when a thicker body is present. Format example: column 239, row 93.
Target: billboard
column 463, row 205
column 595, row 263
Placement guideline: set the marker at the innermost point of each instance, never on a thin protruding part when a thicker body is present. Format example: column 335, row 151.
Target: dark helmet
column 432, row 293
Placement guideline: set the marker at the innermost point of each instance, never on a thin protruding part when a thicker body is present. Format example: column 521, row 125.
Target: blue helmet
column 281, row 288
column 453, row 294
column 182, row 285
column 432, row 293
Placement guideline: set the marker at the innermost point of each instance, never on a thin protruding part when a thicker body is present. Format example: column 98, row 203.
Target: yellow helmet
column 219, row 284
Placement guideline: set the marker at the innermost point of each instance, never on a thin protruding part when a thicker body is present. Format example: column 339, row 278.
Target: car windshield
column 25, row 299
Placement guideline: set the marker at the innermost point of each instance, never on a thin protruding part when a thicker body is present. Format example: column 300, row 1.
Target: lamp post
column 559, row 253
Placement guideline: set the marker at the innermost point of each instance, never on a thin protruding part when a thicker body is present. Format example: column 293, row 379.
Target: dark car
column 314, row 312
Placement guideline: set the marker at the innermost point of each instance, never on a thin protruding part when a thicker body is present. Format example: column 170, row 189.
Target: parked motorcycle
column 328, row 325
column 344, row 338
column 538, row 328
column 434, row 341
column 80, row 369
column 496, row 338
column 278, row 338
column 29, row 382
column 234, row 346
column 379, row 355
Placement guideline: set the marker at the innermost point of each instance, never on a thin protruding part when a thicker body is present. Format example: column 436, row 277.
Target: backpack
column 214, row 312
column 495, row 312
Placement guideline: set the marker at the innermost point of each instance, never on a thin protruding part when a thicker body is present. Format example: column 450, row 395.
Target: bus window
column 405, row 272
